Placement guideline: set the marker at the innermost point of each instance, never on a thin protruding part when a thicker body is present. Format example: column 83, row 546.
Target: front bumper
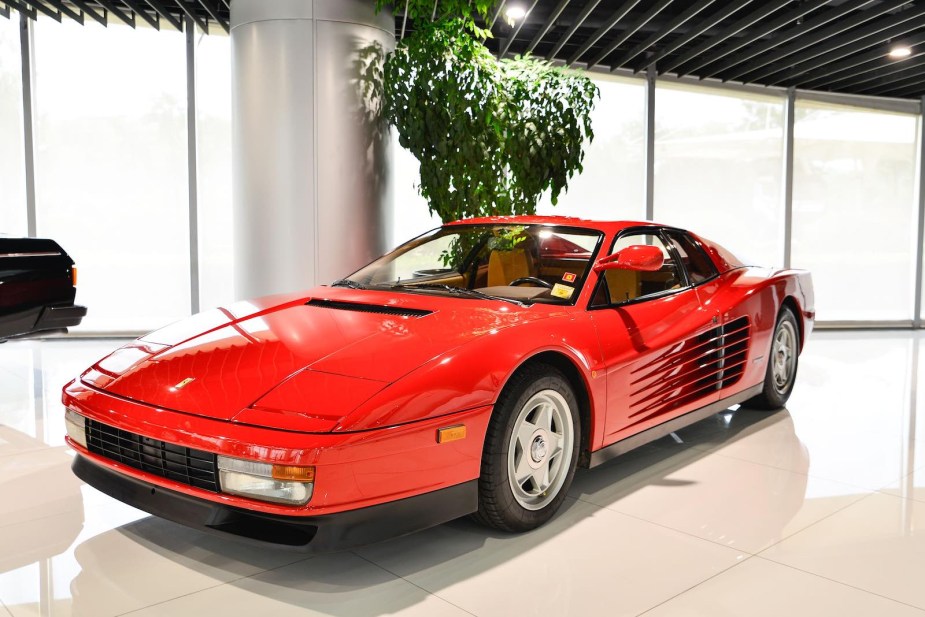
column 322, row 533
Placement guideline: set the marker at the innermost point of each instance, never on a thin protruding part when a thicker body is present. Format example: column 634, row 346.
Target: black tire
column 504, row 503
column 777, row 390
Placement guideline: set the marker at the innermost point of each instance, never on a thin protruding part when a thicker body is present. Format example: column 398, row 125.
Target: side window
column 697, row 263
column 619, row 286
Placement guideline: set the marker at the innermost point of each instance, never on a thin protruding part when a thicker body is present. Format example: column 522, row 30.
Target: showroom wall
column 111, row 174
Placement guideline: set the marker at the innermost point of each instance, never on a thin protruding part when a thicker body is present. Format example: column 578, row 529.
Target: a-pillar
column 310, row 159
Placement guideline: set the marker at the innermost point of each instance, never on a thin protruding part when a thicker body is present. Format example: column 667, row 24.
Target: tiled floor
column 814, row 510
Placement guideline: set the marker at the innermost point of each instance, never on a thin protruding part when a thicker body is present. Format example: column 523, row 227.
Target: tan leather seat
column 623, row 285
column 507, row 266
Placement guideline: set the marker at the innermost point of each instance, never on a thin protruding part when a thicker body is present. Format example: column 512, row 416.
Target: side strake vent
column 368, row 308
column 690, row 370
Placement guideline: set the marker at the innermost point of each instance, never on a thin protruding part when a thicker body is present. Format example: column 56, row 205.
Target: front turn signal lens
column 74, row 276
column 451, row 433
column 293, row 472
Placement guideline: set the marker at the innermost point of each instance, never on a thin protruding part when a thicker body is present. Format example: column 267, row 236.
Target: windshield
column 521, row 263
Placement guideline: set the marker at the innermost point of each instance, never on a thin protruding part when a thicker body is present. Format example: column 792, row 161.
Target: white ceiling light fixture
column 900, row 51
column 515, row 12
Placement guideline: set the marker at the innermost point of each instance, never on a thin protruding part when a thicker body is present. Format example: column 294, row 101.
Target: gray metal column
column 920, row 230
column 790, row 120
column 650, row 142
column 192, row 166
column 25, row 47
column 310, row 184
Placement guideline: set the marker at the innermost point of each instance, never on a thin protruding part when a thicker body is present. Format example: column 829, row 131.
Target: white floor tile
column 130, row 567
column 340, row 584
column 563, row 568
column 736, row 503
column 876, row 544
column 760, row 588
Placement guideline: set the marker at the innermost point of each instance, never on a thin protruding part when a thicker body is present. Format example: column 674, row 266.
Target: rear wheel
column 782, row 364
column 530, row 452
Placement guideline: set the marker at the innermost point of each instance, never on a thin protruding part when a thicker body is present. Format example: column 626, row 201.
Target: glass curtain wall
column 213, row 168
column 12, row 159
column 719, row 164
column 111, row 167
column 855, row 210
column 612, row 185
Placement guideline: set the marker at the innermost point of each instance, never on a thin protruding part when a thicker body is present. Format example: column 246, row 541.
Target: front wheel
column 781, row 372
column 531, row 450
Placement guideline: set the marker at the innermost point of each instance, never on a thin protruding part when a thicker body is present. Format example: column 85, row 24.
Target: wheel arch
column 791, row 303
column 576, row 378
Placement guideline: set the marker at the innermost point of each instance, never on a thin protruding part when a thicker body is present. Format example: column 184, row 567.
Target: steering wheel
column 531, row 279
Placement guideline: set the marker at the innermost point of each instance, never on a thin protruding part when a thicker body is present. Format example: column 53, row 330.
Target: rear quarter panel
column 759, row 294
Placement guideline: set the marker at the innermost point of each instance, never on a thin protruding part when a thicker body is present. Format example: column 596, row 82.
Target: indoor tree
column 490, row 136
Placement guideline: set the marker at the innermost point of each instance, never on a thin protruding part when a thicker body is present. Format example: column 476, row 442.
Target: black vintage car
column 37, row 287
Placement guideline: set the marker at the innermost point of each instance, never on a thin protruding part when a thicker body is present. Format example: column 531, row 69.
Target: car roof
column 569, row 221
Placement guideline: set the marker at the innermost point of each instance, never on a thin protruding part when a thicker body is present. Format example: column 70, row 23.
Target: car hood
column 337, row 347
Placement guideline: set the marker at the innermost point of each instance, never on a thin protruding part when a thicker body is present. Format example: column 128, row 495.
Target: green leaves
column 490, row 136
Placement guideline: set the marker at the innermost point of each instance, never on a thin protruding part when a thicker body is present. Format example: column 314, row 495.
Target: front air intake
column 368, row 308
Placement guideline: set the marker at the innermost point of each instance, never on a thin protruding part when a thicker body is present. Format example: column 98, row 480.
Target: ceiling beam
column 140, row 11
column 99, row 17
column 22, row 8
column 41, row 8
column 845, row 69
column 778, row 38
column 508, row 41
column 827, row 36
column 493, row 19
column 695, row 31
column 75, row 15
column 579, row 20
column 662, row 32
column 127, row 18
column 214, row 14
column 161, row 10
column 897, row 82
column 203, row 24
column 612, row 21
column 630, row 30
column 840, row 48
column 697, row 61
column 916, row 90
column 549, row 22
column 887, row 66
column 879, row 41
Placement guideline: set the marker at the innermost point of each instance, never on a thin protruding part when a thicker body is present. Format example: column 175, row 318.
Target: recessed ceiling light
column 515, row 12
column 900, row 51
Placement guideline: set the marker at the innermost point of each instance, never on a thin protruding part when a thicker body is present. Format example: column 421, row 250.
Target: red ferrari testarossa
column 469, row 371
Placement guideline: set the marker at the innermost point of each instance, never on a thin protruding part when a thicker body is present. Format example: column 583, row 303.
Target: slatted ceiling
column 827, row 45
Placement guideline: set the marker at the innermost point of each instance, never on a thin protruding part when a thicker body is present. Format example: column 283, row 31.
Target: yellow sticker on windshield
column 562, row 291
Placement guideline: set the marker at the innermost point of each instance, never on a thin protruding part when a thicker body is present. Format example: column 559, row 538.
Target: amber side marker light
column 293, row 472
column 74, row 276
column 451, row 433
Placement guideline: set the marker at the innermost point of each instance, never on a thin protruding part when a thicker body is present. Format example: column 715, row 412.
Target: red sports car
column 469, row 371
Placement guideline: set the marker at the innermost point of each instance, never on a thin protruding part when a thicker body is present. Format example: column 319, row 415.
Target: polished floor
column 818, row 509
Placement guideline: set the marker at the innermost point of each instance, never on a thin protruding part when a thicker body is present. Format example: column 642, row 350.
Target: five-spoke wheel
column 782, row 363
column 531, row 450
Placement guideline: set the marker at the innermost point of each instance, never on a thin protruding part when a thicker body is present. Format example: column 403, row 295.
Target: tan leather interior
column 623, row 285
column 506, row 266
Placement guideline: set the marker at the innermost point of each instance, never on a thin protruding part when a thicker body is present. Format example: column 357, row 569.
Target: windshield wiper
column 348, row 283
column 472, row 293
